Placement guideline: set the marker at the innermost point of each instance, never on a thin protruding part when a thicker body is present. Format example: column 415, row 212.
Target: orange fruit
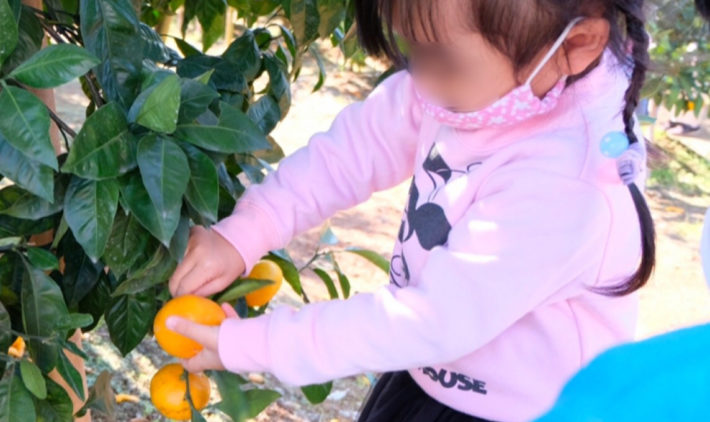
column 195, row 308
column 17, row 348
column 168, row 392
column 264, row 270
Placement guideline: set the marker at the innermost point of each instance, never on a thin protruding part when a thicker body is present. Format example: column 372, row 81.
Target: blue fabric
column 665, row 378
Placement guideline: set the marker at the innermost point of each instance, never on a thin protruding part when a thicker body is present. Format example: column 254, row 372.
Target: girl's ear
column 584, row 44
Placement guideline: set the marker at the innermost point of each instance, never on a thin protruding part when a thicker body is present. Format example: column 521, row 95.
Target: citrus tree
column 171, row 139
column 680, row 50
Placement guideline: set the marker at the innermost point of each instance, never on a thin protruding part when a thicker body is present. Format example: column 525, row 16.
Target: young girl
column 523, row 237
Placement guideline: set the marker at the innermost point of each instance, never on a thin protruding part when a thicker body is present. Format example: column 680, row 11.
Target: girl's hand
column 206, row 335
column 210, row 265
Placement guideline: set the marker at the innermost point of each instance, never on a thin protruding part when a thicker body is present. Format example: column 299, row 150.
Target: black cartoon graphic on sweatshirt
column 427, row 221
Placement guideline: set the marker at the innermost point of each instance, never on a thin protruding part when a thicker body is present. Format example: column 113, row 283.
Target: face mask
column 518, row 105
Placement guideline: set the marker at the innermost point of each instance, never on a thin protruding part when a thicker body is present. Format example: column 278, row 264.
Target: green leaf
column 58, row 406
column 373, row 257
column 195, row 97
column 203, row 188
column 101, row 397
column 165, row 172
column 226, row 76
column 30, row 37
column 20, row 203
column 157, row 108
column 291, row 274
column 15, row 401
column 321, row 67
column 178, row 244
column 24, row 123
column 245, row 54
column 328, row 281
column 331, row 13
column 344, row 283
column 42, row 259
column 305, row 20
column 9, row 34
column 54, row 65
column 25, row 172
column 129, row 318
column 89, row 208
column 42, row 306
column 96, row 300
column 127, row 243
column 5, row 326
column 141, row 206
column 265, row 113
column 74, row 321
column 70, row 374
column 80, row 273
column 186, row 49
column 156, row 271
column 260, row 399
column 210, row 13
column 241, row 288
column 230, row 388
column 33, row 379
column 110, row 30
column 104, row 148
column 153, row 46
column 235, row 133
column 317, row 393
column 279, row 87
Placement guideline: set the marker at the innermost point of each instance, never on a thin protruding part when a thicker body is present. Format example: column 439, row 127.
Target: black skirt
column 396, row 397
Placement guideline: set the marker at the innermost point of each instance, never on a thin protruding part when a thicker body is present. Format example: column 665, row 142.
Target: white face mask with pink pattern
column 518, row 105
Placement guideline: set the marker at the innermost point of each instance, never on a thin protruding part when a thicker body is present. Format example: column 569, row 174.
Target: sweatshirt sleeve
column 528, row 235
column 371, row 146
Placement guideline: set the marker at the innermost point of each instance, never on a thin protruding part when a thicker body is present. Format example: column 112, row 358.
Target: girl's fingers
column 229, row 310
column 212, row 287
column 181, row 271
column 204, row 334
column 198, row 276
column 207, row 359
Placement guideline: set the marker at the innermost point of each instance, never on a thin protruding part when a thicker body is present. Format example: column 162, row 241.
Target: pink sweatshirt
column 504, row 232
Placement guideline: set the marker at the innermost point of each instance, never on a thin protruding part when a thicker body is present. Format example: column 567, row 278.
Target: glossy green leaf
column 5, row 326
column 20, row 203
column 291, row 274
column 73, row 321
column 101, row 397
column 241, row 288
column 373, row 257
column 127, row 243
column 110, row 30
column 245, row 54
column 235, row 133
column 15, row 400
column 89, row 208
column 331, row 13
column 260, row 399
column 42, row 306
column 344, row 283
column 129, row 318
column 70, row 374
column 104, row 148
column 235, row 404
column 265, row 112
column 279, row 86
column 80, row 273
column 33, row 379
column 165, row 172
column 9, row 34
column 317, row 393
column 141, row 206
column 178, row 244
column 186, row 48
column 57, row 407
column 25, row 172
column 54, row 65
column 321, row 67
column 153, row 46
column 97, row 300
column 305, row 20
column 42, row 259
column 203, row 188
column 328, row 281
column 24, row 123
column 156, row 271
column 195, row 97
column 30, row 37
column 157, row 108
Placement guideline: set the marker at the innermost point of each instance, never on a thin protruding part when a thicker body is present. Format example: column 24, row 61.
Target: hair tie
column 630, row 158
column 631, row 162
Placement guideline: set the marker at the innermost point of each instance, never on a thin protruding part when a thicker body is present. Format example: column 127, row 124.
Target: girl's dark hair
column 536, row 23
column 703, row 7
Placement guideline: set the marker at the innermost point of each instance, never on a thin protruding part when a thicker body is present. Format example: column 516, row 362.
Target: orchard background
column 207, row 97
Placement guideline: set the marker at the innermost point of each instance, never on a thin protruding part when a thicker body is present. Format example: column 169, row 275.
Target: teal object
column 614, row 144
column 665, row 378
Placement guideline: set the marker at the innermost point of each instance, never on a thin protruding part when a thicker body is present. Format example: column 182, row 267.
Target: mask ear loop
column 561, row 39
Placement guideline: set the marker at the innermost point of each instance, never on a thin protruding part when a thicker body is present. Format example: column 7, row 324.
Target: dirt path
column 676, row 297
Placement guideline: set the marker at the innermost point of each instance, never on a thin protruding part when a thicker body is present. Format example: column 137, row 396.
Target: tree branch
column 61, row 124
